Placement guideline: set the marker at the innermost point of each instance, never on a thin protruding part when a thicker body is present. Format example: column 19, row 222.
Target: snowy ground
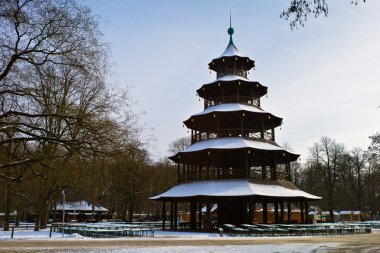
column 166, row 241
column 214, row 249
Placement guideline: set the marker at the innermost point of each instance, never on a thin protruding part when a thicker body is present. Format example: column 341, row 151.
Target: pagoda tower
column 233, row 162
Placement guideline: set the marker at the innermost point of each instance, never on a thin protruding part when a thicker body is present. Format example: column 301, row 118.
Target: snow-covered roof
column 313, row 212
column 234, row 187
column 80, row 206
column 229, row 78
column 345, row 212
column 229, row 107
column 356, row 212
column 230, row 143
column 230, row 50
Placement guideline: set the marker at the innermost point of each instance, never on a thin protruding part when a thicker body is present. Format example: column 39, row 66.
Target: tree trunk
column 331, row 204
column 44, row 217
column 7, row 208
column 20, row 212
column 37, row 224
column 130, row 213
column 55, row 212
column 359, row 192
column 93, row 212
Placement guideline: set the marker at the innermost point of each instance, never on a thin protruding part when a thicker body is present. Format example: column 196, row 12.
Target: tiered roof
column 233, row 102
column 235, row 188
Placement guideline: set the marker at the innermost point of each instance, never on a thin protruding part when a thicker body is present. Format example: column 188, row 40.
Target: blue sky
column 323, row 79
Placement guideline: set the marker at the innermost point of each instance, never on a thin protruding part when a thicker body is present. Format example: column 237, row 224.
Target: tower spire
column 230, row 31
column 230, row 18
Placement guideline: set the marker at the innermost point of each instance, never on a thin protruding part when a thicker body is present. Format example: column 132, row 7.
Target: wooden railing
column 214, row 173
column 232, row 72
column 232, row 99
column 232, row 132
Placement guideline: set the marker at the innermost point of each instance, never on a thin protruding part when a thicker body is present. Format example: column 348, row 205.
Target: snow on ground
column 44, row 234
column 29, row 234
column 158, row 234
column 289, row 248
column 260, row 247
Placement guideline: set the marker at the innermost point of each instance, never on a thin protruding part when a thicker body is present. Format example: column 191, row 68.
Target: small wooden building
column 81, row 211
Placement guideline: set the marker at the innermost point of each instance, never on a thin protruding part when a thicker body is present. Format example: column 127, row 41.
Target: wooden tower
column 233, row 160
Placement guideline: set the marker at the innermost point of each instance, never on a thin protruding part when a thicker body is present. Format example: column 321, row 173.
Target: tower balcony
column 234, row 72
column 232, row 132
column 247, row 100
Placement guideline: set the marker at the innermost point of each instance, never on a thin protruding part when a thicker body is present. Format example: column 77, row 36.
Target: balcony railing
column 231, row 132
column 212, row 173
column 232, row 99
column 235, row 72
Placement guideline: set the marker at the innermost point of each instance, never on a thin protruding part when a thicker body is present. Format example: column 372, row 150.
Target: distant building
column 79, row 211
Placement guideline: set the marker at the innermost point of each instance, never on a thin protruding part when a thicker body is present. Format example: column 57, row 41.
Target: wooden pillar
column 272, row 132
column 302, row 213
column 250, row 214
column 289, row 211
column 163, row 214
column 253, row 206
column 193, row 218
column 272, row 172
column 281, row 211
column 306, row 212
column 275, row 203
column 242, row 125
column 263, row 172
column 175, row 215
column 287, row 170
column 178, row 173
column 275, row 168
column 265, row 212
column 171, row 215
column 246, row 169
column 208, row 212
column 200, row 215
column 217, row 127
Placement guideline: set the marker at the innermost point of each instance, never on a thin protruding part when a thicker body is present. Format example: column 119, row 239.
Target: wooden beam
column 200, row 215
column 275, row 203
column 265, row 212
column 175, row 215
column 193, row 214
column 163, row 214
column 171, row 215
column 289, row 204
column 281, row 211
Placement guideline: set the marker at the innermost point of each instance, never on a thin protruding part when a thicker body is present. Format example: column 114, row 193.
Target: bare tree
column 179, row 145
column 54, row 102
column 299, row 10
column 36, row 37
column 357, row 163
column 373, row 178
column 326, row 156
